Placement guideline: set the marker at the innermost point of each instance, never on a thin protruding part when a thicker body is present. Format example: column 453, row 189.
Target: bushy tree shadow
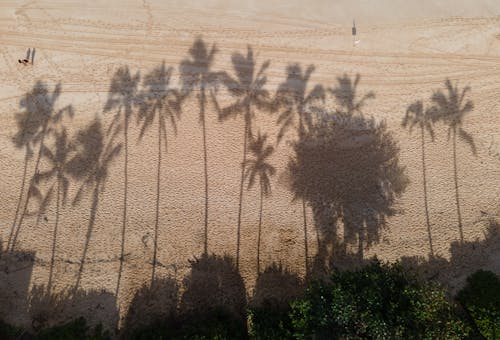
column 214, row 283
column 347, row 169
column 37, row 119
column 450, row 107
column 94, row 154
column 248, row 89
column 152, row 304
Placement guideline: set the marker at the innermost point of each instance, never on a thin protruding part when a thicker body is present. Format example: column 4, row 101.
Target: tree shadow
column 248, row 90
column 346, row 167
column 196, row 74
column 259, row 166
column 123, row 96
column 152, row 304
column 56, row 178
column 214, row 283
column 37, row 119
column 94, row 154
column 276, row 287
column 345, row 94
column 418, row 115
column 450, row 108
column 294, row 103
column 16, row 269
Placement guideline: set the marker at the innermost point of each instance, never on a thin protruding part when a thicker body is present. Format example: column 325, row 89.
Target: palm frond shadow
column 159, row 101
column 450, row 108
column 249, row 92
column 94, row 154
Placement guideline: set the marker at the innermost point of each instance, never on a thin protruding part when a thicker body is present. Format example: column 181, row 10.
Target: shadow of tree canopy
column 276, row 287
column 214, row 283
column 346, row 167
column 152, row 304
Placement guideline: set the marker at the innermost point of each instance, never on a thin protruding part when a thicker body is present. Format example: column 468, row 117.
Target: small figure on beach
column 355, row 41
column 26, row 60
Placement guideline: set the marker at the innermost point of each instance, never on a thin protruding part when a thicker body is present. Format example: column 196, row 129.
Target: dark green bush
column 481, row 298
column 270, row 322
column 380, row 301
column 8, row 332
column 76, row 329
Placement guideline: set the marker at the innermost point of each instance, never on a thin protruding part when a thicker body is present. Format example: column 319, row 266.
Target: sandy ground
column 405, row 52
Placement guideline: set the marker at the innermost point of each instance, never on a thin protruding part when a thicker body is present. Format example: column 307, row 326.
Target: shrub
column 270, row 322
column 8, row 332
column 76, row 329
column 481, row 298
column 379, row 301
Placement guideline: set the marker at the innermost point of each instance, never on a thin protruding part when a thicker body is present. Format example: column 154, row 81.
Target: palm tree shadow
column 56, row 177
column 451, row 109
column 159, row 101
column 38, row 118
column 248, row 90
column 417, row 115
column 90, row 166
column 346, row 167
column 295, row 103
column 123, row 96
column 195, row 72
column 261, row 168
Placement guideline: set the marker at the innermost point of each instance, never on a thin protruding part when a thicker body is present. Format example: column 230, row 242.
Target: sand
column 405, row 53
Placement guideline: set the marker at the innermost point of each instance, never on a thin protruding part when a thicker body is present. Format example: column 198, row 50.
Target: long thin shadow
column 196, row 73
column 259, row 167
column 248, row 89
column 159, row 101
column 38, row 118
column 451, row 109
column 294, row 103
column 19, row 201
column 94, row 154
column 123, row 96
column 417, row 115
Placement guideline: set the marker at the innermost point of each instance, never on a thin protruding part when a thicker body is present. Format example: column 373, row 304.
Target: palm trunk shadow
column 242, row 181
column 90, row 227
column 260, row 228
column 457, row 196
column 205, row 162
column 21, row 194
column 306, row 246
column 54, row 239
column 37, row 165
column 426, row 204
column 125, row 197
column 157, row 218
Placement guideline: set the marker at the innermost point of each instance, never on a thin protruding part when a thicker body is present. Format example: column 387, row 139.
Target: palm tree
column 159, row 101
column 195, row 73
column 123, row 96
column 248, row 88
column 57, row 174
column 345, row 94
column 37, row 120
column 293, row 100
column 451, row 109
column 416, row 115
column 259, row 166
column 94, row 154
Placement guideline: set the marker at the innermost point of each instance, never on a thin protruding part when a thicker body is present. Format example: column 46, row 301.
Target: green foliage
column 481, row 298
column 216, row 324
column 269, row 322
column 76, row 329
column 380, row 301
column 8, row 332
